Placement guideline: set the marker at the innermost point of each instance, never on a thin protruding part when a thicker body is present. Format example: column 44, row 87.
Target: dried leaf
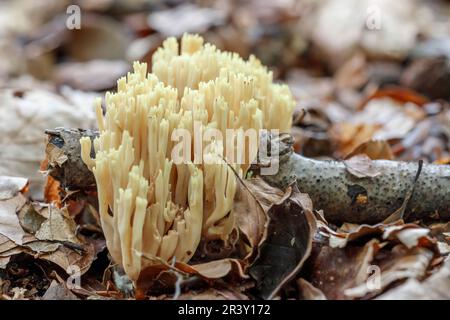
column 58, row 291
column 10, row 186
column 289, row 240
column 251, row 218
column 410, row 235
column 336, row 269
column 58, row 227
column 308, row 291
column 436, row 287
column 67, row 257
column 399, row 264
column 266, row 194
column 9, row 222
column 374, row 149
column 401, row 95
column 219, row 269
column 30, row 219
column 361, row 166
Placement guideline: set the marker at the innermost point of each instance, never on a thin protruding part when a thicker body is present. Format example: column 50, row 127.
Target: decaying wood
column 343, row 196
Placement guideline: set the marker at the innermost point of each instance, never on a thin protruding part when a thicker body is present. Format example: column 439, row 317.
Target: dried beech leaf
column 398, row 264
column 436, row 287
column 9, row 222
column 374, row 149
column 266, row 194
column 336, row 269
column 58, row 227
column 10, row 186
column 308, row 291
column 67, row 257
column 250, row 216
column 361, row 166
column 58, row 291
column 219, row 269
column 289, row 241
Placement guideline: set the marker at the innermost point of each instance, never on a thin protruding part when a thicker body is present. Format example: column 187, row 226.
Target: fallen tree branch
column 343, row 196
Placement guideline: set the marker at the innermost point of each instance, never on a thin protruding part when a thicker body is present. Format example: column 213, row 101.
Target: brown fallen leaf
column 9, row 222
column 308, row 291
column 219, row 269
column 374, row 149
column 288, row 243
column 58, row 226
column 400, row 263
column 266, row 194
column 336, row 269
column 251, row 218
column 349, row 136
column 361, row 166
column 400, row 94
column 410, row 235
column 436, row 287
column 58, row 291
column 68, row 258
column 391, row 252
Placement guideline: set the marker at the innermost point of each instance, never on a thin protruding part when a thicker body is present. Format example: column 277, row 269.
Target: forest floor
column 368, row 78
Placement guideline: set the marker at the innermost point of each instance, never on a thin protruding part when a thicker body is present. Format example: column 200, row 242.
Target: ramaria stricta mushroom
column 152, row 207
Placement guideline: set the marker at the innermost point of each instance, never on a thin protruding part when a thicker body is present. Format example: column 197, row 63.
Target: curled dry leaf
column 308, row 291
column 410, row 235
column 10, row 186
column 344, row 268
column 9, row 222
column 68, row 257
column 219, row 269
column 264, row 193
column 44, row 232
column 59, row 226
column 151, row 276
column 399, row 94
column 100, row 37
column 400, row 263
column 288, row 243
column 374, row 149
column 337, row 269
column 361, row 166
column 59, row 291
column 436, row 287
column 254, row 198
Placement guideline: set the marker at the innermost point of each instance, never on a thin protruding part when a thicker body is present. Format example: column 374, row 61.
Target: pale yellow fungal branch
column 151, row 204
